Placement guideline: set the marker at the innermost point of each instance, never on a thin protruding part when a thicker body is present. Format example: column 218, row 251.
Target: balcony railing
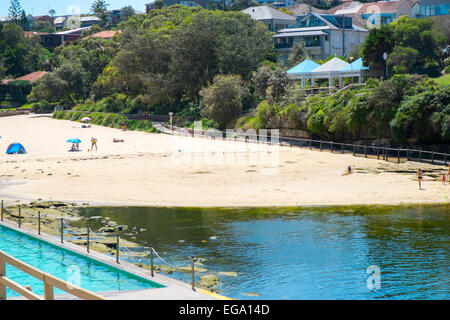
column 312, row 43
column 283, row 45
column 287, row 45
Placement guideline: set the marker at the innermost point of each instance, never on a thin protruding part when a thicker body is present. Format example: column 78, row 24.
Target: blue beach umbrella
column 74, row 140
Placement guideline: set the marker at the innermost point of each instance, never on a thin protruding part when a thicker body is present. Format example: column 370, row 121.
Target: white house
column 323, row 35
column 272, row 18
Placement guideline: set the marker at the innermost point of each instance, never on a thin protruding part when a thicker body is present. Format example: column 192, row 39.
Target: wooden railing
column 49, row 281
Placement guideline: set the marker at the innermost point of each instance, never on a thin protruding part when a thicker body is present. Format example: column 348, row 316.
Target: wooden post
column 320, row 145
column 387, row 154
column 407, row 154
column 62, row 230
column 193, row 278
column 354, row 153
column 1, row 211
column 378, row 152
column 342, row 148
column 87, row 241
column 20, row 217
column 365, row 151
column 39, row 223
column 2, row 274
column 432, row 157
column 310, row 144
column 151, row 260
column 117, row 248
column 331, row 146
column 398, row 155
column 48, row 291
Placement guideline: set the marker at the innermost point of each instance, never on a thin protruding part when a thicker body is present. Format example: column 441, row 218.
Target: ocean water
column 358, row 252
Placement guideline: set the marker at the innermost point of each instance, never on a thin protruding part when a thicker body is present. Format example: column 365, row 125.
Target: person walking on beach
column 419, row 175
column 443, row 178
column 94, row 143
column 349, row 170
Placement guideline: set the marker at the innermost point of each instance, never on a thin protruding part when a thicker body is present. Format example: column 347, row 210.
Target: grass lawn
column 443, row 80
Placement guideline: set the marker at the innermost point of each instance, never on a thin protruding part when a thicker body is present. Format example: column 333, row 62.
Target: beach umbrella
column 86, row 119
column 74, row 140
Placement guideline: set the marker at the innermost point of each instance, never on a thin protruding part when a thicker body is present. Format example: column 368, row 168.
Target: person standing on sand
column 94, row 143
column 419, row 175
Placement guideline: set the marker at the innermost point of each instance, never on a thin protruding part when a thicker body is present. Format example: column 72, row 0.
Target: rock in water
column 210, row 282
column 251, row 294
column 229, row 274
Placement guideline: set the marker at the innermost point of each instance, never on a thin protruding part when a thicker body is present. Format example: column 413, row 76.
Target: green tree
column 158, row 4
column 19, row 55
column 403, row 59
column 43, row 26
column 261, row 79
column 278, row 83
column 126, row 12
column 297, row 54
column 68, row 84
column 100, row 7
column 15, row 12
column 222, row 100
column 377, row 42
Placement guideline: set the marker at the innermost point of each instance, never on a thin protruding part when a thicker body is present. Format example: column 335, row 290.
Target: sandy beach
column 162, row 170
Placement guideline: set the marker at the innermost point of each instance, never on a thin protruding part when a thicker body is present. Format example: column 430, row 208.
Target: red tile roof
column 106, row 34
column 32, row 77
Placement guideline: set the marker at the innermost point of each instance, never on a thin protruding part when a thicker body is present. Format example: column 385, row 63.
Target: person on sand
column 349, row 170
column 94, row 143
column 443, row 178
column 419, row 175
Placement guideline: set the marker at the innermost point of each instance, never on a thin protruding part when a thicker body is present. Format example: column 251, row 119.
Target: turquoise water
column 63, row 264
column 301, row 253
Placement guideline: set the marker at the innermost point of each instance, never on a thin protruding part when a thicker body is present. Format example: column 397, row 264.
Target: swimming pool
column 67, row 265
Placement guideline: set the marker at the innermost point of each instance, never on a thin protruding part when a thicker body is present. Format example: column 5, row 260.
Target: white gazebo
column 334, row 68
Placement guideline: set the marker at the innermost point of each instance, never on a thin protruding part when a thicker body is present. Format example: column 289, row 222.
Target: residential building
column 299, row 9
column 381, row 12
column 75, row 22
column 275, row 20
column 277, row 3
column 44, row 18
column 323, row 35
column 430, row 8
column 52, row 40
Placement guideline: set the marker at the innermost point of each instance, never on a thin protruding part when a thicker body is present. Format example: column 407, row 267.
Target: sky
column 62, row 7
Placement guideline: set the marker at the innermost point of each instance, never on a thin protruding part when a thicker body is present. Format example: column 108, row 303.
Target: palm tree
column 99, row 7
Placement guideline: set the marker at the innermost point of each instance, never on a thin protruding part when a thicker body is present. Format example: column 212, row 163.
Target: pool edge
column 179, row 289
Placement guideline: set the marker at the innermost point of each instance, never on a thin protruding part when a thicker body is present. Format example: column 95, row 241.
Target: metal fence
column 377, row 151
column 91, row 236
